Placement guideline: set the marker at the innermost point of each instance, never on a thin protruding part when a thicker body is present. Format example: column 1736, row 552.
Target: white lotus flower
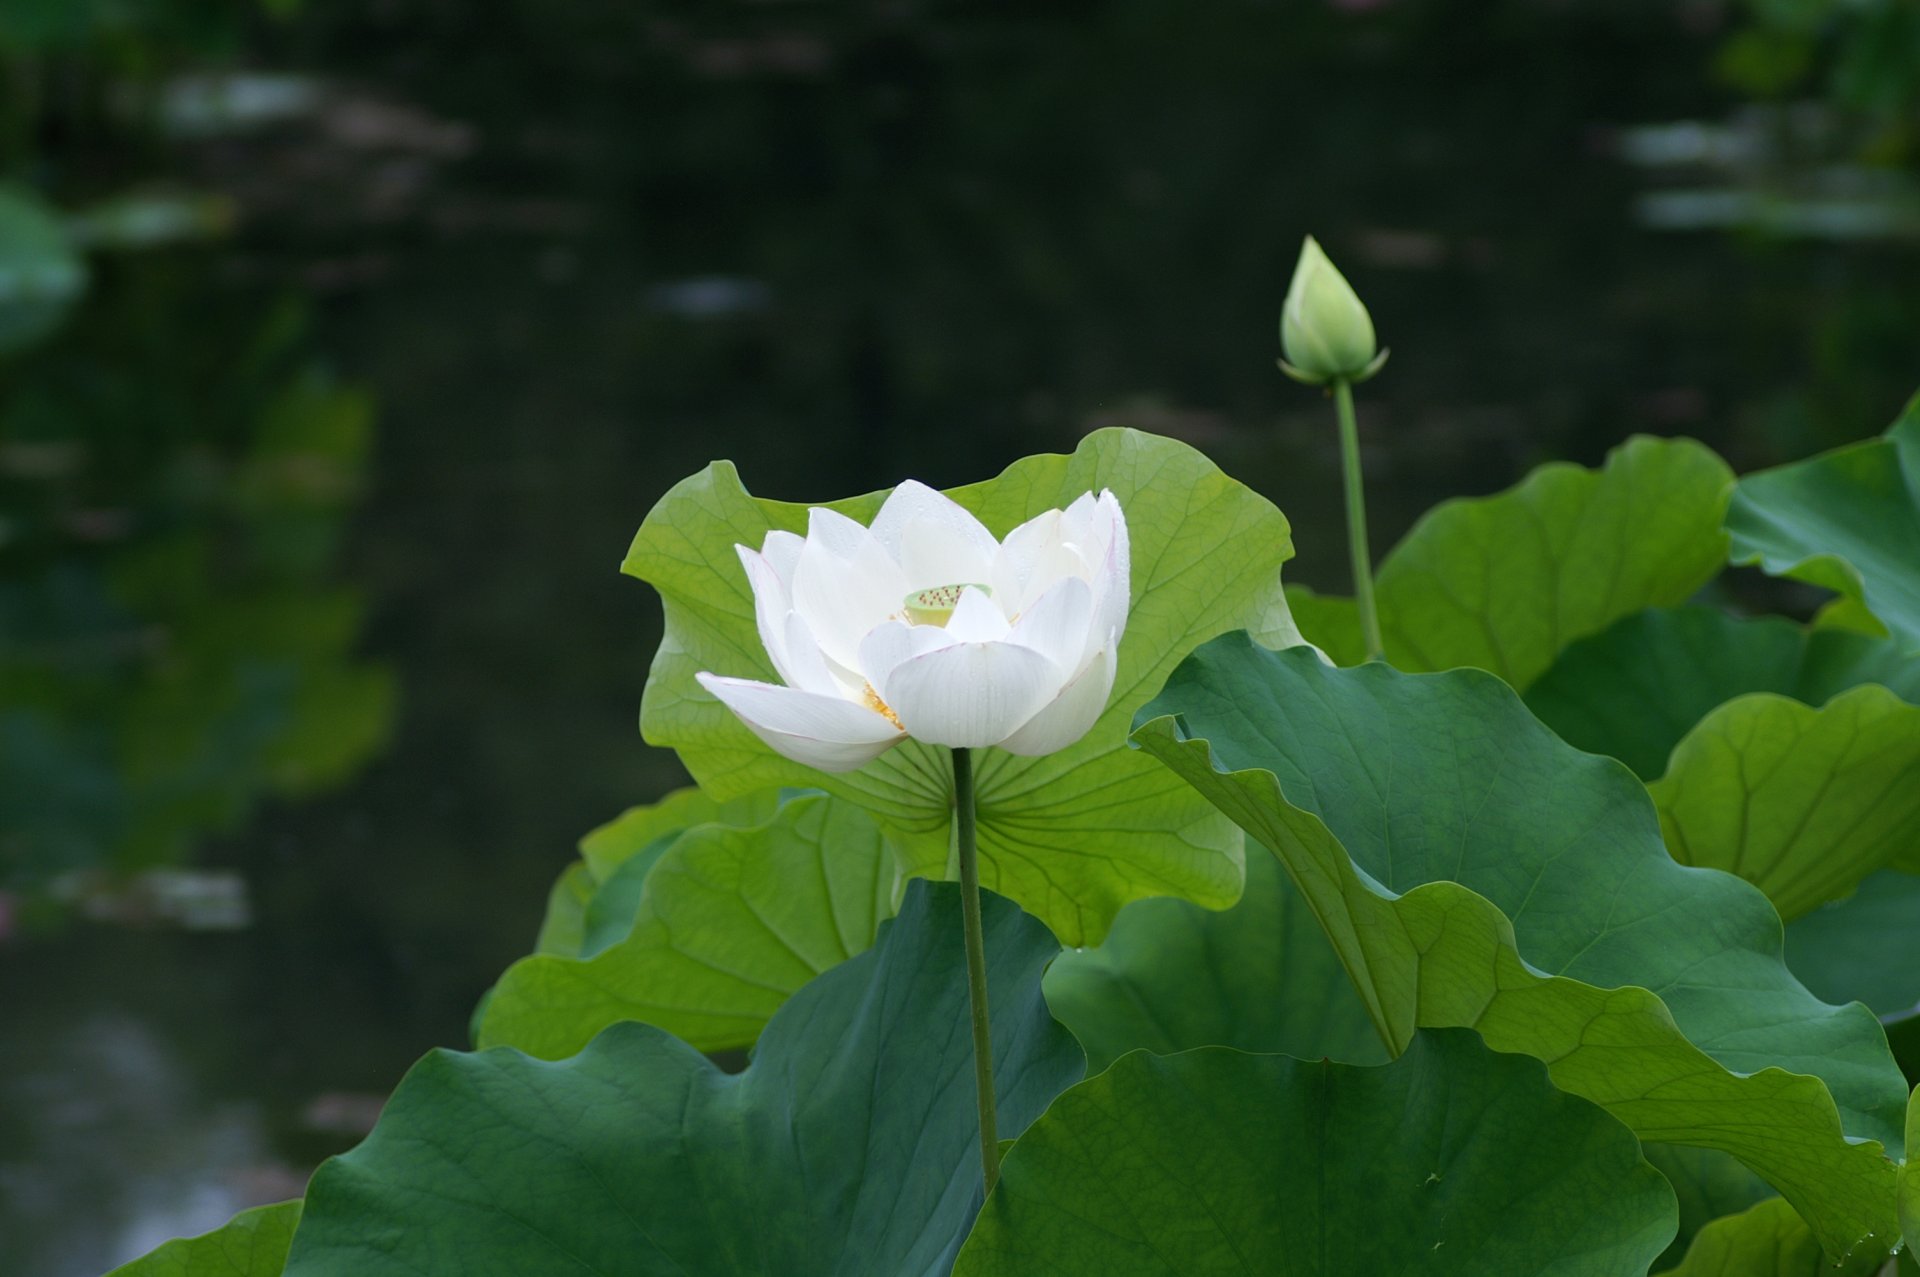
column 924, row 626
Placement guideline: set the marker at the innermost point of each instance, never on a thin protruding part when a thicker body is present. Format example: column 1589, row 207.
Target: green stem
column 976, row 961
column 1357, row 520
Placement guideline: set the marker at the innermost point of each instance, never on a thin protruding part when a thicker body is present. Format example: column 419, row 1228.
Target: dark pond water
column 313, row 503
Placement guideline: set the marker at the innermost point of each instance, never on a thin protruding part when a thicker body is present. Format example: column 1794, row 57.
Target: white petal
column 882, row 651
column 835, row 532
column 1113, row 574
column 1035, row 555
column 827, row 732
column 934, row 554
column 971, row 694
column 1071, row 714
column 1056, row 626
column 809, row 669
column 976, row 619
column 914, row 502
column 782, row 551
column 842, row 596
column 770, row 608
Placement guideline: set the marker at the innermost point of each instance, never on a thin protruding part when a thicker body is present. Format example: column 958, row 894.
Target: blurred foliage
column 1860, row 55
column 172, row 644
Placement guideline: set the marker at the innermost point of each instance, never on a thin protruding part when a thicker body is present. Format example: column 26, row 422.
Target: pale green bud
column 1325, row 331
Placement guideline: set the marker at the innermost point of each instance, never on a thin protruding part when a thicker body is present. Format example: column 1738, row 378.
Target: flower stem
column 976, row 961
column 1357, row 519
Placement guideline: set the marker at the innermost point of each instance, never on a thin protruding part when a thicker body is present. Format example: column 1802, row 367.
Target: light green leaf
column 1171, row 976
column 849, row 1146
column 251, row 1244
column 1910, row 1176
column 1863, row 947
column 635, row 830
column 564, row 926
column 41, row 276
column 1505, row 582
column 1633, row 690
column 1848, row 520
column 1803, row 803
column 593, row 901
column 730, row 923
column 1072, row 836
column 1450, row 1160
column 1472, row 870
column 1767, row 1240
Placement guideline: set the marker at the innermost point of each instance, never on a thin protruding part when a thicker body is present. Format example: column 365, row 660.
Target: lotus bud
column 1324, row 329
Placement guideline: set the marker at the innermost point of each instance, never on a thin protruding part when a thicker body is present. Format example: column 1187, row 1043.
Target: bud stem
column 969, row 856
column 1357, row 519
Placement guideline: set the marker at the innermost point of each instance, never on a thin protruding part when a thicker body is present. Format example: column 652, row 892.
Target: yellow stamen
column 871, row 699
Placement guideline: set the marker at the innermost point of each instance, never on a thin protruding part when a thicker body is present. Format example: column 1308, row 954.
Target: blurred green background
column 343, row 347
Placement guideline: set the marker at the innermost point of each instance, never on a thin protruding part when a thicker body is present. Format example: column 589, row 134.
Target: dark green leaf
column 849, row 1146
column 1633, row 690
column 1450, row 1160
column 1709, row 1185
column 1171, row 976
column 1473, row 870
column 1863, row 948
column 1848, row 520
column 251, row 1244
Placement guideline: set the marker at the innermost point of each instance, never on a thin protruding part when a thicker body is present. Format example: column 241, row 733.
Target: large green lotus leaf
column 1072, row 836
column 1848, row 520
column 635, row 830
column 1171, row 976
column 593, row 901
column 563, row 928
column 1909, row 1195
column 1505, row 582
column 1633, row 690
column 1450, row 1160
column 730, row 923
column 1801, row 802
column 1473, row 870
column 1865, row 948
column 849, row 1146
column 1767, row 1240
column 251, row 1244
